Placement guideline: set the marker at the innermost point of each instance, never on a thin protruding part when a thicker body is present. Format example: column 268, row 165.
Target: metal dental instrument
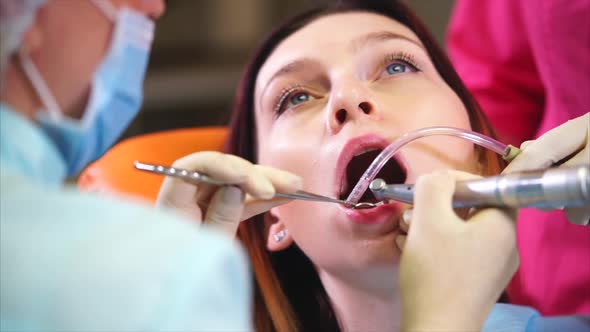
column 508, row 152
column 551, row 188
column 307, row 196
column 196, row 177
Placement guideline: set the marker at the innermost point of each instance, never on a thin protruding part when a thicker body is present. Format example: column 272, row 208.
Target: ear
column 279, row 237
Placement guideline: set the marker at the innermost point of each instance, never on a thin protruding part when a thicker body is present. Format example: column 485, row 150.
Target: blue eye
column 291, row 98
column 298, row 98
column 399, row 67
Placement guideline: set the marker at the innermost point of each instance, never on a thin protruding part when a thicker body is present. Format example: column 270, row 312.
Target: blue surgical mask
column 115, row 96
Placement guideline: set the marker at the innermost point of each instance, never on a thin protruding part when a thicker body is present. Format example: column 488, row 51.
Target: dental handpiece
column 552, row 188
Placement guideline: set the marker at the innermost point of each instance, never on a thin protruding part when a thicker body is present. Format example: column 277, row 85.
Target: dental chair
column 114, row 172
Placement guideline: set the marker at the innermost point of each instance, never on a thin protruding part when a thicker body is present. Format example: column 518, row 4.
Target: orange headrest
column 114, row 172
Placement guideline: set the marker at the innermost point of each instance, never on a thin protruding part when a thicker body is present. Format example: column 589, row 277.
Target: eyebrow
column 380, row 36
column 293, row 67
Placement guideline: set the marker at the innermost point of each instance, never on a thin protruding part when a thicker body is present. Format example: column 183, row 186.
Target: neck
column 366, row 302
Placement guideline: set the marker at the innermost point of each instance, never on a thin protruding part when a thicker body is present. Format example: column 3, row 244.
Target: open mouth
column 392, row 172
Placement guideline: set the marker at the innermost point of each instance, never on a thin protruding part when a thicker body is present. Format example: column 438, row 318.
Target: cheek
column 442, row 107
column 77, row 38
column 419, row 102
column 292, row 155
column 303, row 218
column 430, row 154
column 313, row 227
column 301, row 150
column 295, row 145
column 311, row 159
column 424, row 103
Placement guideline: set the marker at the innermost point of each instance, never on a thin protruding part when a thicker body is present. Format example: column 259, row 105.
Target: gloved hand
column 452, row 271
column 568, row 144
column 224, row 207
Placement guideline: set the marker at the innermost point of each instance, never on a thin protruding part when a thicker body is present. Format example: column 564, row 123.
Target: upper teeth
column 365, row 151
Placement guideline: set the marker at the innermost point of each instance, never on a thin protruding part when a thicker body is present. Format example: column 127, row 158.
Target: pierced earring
column 407, row 216
column 280, row 236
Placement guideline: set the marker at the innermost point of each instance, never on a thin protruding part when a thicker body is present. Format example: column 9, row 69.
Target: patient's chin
column 364, row 256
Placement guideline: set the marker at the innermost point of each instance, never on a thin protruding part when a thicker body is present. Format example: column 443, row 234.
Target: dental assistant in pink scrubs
column 528, row 65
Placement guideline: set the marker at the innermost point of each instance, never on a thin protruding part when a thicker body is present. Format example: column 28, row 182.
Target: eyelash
column 284, row 96
column 287, row 92
column 407, row 58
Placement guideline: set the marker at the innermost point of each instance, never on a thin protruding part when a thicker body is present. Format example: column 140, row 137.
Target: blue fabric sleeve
column 509, row 318
column 580, row 323
column 76, row 262
column 513, row 318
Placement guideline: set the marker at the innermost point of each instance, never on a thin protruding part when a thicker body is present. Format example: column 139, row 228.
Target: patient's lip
column 379, row 214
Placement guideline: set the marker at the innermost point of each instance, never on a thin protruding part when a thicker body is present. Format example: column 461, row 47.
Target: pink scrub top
column 528, row 65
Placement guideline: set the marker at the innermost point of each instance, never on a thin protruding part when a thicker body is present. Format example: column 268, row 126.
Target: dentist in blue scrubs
column 70, row 82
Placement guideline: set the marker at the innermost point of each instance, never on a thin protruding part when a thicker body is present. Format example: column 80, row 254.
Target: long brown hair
column 288, row 294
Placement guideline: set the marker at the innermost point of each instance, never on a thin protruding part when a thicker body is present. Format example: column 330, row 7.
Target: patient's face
column 343, row 85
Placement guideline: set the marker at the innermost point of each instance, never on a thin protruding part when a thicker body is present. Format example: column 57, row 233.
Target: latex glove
column 224, row 207
column 566, row 144
column 404, row 224
column 452, row 271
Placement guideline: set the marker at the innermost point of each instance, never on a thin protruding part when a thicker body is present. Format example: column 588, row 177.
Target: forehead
column 335, row 33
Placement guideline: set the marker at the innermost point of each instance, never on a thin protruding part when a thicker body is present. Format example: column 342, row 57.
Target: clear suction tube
column 506, row 151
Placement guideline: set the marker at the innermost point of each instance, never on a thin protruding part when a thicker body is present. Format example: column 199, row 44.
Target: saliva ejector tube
column 508, row 152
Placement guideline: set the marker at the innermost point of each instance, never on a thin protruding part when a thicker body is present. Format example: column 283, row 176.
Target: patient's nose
column 348, row 105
